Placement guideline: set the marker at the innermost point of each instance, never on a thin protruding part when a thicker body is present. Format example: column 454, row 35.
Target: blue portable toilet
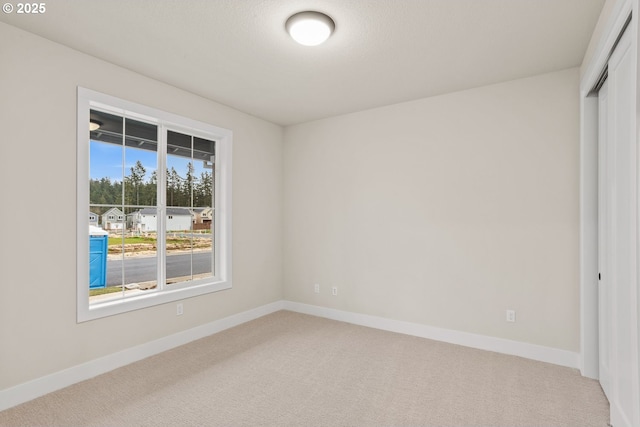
column 98, row 242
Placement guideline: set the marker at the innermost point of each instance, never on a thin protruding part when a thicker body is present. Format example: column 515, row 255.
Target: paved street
column 143, row 269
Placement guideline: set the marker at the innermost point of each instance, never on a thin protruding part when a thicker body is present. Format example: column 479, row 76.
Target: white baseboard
column 40, row 386
column 499, row 345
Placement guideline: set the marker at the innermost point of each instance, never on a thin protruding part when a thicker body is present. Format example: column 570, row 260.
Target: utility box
column 98, row 246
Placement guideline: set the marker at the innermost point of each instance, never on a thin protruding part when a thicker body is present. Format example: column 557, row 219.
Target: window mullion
column 122, row 234
column 162, row 206
column 191, row 185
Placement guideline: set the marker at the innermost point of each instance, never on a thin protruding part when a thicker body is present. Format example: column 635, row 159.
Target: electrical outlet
column 179, row 309
column 334, row 291
column 316, row 288
column 511, row 316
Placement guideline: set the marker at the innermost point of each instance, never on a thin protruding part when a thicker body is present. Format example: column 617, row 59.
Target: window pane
column 123, row 166
column 123, row 259
column 140, row 260
column 105, row 266
column 179, row 245
column 189, row 185
column 141, row 160
column 106, row 159
column 179, row 170
column 203, row 209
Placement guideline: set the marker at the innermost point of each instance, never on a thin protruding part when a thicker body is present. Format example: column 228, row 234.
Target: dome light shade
column 310, row 28
column 94, row 125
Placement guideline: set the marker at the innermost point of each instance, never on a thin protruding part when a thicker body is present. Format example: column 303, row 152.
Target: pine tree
column 188, row 191
column 136, row 178
column 203, row 190
column 173, row 185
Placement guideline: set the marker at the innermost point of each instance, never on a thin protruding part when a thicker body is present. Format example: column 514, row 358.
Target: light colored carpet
column 289, row 369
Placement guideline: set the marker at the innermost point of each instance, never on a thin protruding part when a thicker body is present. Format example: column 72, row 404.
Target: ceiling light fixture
column 310, row 28
column 94, row 125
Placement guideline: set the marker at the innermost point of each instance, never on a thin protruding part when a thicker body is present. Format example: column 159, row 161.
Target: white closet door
column 622, row 276
column 604, row 242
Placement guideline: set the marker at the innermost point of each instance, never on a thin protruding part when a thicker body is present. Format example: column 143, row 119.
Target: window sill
column 113, row 307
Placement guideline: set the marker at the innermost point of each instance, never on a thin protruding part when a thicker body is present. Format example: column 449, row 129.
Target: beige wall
column 38, row 330
column 443, row 211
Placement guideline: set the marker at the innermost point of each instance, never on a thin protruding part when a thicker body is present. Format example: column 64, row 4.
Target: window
column 151, row 170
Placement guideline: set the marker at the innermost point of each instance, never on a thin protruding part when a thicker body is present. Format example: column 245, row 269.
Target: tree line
column 186, row 191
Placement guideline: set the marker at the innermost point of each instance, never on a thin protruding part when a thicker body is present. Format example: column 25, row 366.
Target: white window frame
column 89, row 99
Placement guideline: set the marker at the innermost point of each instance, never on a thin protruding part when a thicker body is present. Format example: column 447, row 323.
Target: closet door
column 604, row 242
column 622, row 276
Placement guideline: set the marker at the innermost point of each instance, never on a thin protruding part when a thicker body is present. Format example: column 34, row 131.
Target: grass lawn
column 130, row 240
column 117, row 241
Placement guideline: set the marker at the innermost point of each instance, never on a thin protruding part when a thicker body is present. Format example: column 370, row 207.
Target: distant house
column 143, row 220
column 202, row 218
column 93, row 219
column 179, row 219
column 113, row 219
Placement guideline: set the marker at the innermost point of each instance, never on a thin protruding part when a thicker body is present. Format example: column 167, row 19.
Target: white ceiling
column 236, row 52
